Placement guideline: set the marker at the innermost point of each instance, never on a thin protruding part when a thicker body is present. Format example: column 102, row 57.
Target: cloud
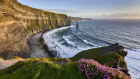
column 62, row 11
column 122, row 15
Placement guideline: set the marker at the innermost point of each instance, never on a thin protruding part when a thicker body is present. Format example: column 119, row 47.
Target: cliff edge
column 19, row 22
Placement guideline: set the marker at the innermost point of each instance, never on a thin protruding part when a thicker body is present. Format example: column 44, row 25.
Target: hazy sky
column 119, row 9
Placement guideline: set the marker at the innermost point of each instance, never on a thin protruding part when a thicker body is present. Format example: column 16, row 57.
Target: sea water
column 68, row 41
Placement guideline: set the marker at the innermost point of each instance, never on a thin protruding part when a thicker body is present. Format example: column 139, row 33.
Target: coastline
column 39, row 49
column 37, row 46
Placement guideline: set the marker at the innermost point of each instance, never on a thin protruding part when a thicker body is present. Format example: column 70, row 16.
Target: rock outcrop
column 19, row 22
column 115, row 48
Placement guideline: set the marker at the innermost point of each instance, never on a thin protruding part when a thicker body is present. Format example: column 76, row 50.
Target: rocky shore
column 37, row 46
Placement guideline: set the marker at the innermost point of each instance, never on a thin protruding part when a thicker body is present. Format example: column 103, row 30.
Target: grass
column 46, row 68
column 1, row 58
column 108, row 59
column 88, row 54
column 41, row 68
column 13, row 57
column 10, row 58
column 32, row 27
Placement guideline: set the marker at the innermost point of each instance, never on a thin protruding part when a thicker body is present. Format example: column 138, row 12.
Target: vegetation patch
column 1, row 58
column 53, row 68
column 108, row 59
column 14, row 57
column 91, row 69
column 33, row 27
column 41, row 68
column 88, row 54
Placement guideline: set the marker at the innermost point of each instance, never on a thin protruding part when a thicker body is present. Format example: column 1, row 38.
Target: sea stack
column 77, row 25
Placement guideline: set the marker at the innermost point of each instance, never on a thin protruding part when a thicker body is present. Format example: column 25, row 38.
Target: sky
column 98, row 9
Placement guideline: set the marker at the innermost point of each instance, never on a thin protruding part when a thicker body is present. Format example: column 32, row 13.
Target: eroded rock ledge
column 115, row 48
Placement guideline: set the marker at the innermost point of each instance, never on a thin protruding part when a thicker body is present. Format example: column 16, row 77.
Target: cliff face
column 19, row 22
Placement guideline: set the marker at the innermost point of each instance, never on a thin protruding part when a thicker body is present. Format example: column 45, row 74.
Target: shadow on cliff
column 10, row 53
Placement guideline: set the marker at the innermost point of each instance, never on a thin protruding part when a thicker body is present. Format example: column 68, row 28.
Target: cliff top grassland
column 108, row 59
column 42, row 68
column 60, row 68
column 93, row 66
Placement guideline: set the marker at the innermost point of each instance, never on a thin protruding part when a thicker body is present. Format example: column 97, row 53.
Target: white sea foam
column 62, row 50
column 72, row 26
column 67, row 40
column 52, row 44
column 133, row 63
column 96, row 46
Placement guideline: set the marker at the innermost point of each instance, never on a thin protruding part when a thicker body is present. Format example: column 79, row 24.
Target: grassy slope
column 41, row 68
column 45, row 68
column 108, row 60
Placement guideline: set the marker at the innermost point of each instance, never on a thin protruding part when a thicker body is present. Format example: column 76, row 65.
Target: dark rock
column 124, row 69
column 115, row 48
column 77, row 25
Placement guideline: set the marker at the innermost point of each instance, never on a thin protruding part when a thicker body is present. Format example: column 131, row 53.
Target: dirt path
column 36, row 51
column 7, row 63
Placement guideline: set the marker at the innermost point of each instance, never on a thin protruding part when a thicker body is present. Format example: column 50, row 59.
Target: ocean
column 68, row 41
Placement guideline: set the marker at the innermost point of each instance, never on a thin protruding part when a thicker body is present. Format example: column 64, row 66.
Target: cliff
column 19, row 22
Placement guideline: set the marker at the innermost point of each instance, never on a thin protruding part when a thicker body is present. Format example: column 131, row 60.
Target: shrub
column 91, row 69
